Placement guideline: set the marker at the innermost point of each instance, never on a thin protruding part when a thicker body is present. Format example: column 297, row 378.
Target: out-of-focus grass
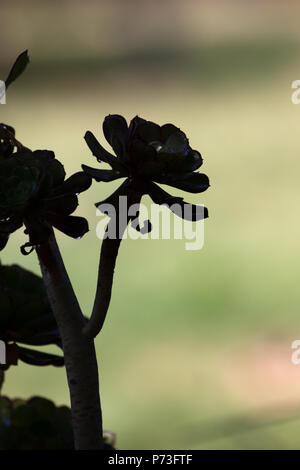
column 167, row 354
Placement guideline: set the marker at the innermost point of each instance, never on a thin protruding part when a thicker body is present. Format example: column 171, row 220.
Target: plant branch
column 108, row 257
column 79, row 352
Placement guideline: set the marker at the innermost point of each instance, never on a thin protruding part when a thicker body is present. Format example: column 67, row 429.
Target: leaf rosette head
column 146, row 154
column 36, row 423
column 34, row 192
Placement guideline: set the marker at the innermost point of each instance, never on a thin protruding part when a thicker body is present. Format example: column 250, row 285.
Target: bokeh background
column 196, row 350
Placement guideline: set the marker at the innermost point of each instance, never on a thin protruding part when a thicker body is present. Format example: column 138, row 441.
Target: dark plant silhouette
column 34, row 424
column 146, row 154
column 26, row 317
column 38, row 424
column 35, row 194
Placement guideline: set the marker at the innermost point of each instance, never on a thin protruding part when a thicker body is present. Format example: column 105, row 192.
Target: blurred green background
column 196, row 350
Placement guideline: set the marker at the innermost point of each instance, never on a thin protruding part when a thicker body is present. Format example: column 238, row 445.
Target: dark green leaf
column 101, row 175
column 192, row 182
column 18, row 68
column 72, row 226
column 113, row 199
column 149, row 132
column 101, row 154
column 57, row 172
column 64, row 204
column 115, row 127
column 75, row 184
column 177, row 205
column 37, row 358
column 26, row 315
column 160, row 196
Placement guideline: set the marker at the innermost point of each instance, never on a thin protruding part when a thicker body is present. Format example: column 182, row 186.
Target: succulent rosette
column 35, row 193
column 38, row 424
column 34, row 424
column 146, row 154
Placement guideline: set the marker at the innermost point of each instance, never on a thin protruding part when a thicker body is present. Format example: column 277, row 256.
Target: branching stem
column 79, row 351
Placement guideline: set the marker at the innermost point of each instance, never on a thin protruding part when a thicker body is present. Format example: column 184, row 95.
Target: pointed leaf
column 37, row 358
column 160, row 196
column 192, row 182
column 177, row 205
column 134, row 124
column 101, row 175
column 115, row 130
column 101, row 154
column 72, row 226
column 75, row 184
column 113, row 199
column 18, row 68
column 64, row 204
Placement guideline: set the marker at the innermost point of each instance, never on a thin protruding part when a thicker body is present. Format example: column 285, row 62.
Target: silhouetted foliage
column 147, row 153
column 34, row 424
column 26, row 316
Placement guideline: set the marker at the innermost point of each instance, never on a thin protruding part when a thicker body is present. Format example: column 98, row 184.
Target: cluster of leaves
column 38, row 424
column 26, row 316
column 34, row 424
column 33, row 188
column 34, row 192
column 146, row 154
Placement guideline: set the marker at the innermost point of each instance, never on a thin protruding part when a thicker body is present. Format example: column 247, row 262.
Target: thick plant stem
column 79, row 352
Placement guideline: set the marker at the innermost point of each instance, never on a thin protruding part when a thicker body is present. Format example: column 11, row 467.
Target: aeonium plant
column 35, row 195
column 146, row 154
